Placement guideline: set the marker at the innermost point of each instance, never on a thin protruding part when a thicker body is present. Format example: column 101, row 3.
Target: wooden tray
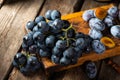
column 82, row 26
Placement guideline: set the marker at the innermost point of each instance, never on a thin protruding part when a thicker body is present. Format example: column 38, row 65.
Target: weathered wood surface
column 64, row 7
column 13, row 18
column 108, row 73
column 71, row 74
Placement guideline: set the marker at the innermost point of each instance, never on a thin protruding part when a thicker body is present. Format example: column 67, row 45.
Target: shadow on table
column 15, row 1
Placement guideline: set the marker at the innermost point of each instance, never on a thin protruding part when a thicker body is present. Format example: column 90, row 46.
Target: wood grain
column 108, row 73
column 64, row 6
column 13, row 18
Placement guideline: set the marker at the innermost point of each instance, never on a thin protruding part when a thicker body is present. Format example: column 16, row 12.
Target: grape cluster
column 55, row 39
column 27, row 64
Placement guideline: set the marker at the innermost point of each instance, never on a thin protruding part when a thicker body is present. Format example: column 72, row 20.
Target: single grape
column 30, row 25
column 39, row 19
column 55, row 59
column 50, row 41
column 27, row 39
column 55, row 14
column 71, row 33
column 44, row 27
column 38, row 36
column 61, row 44
column 44, row 53
column 65, row 61
column 69, row 53
column 19, row 60
column 33, row 49
column 56, row 51
column 48, row 14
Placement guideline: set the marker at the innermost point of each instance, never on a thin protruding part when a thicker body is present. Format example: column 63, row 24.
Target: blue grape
column 35, row 29
column 71, row 33
column 33, row 49
column 61, row 44
column 39, row 19
column 44, row 27
column 56, row 51
column 30, row 25
column 80, row 43
column 55, row 59
column 66, row 24
column 32, row 66
column 27, row 39
column 69, row 53
column 19, row 59
column 50, row 41
column 55, row 14
column 44, row 53
column 38, row 36
column 48, row 14
column 65, row 61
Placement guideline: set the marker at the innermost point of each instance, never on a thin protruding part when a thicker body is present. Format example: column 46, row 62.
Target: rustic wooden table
column 13, row 18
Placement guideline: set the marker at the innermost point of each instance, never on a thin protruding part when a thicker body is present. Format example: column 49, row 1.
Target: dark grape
column 55, row 14
column 61, row 44
column 69, row 53
column 39, row 19
column 48, row 14
column 71, row 33
column 33, row 49
column 65, row 61
column 44, row 27
column 56, row 51
column 50, row 41
column 44, row 53
column 38, row 36
column 30, row 25
column 19, row 60
column 55, row 59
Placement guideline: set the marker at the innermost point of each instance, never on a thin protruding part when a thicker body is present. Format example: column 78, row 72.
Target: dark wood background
column 14, row 16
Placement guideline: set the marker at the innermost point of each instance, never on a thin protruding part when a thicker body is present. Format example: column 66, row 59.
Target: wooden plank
column 49, row 4
column 64, row 6
column 13, row 18
column 108, row 73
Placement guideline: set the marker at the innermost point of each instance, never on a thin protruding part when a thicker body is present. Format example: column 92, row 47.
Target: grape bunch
column 27, row 64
